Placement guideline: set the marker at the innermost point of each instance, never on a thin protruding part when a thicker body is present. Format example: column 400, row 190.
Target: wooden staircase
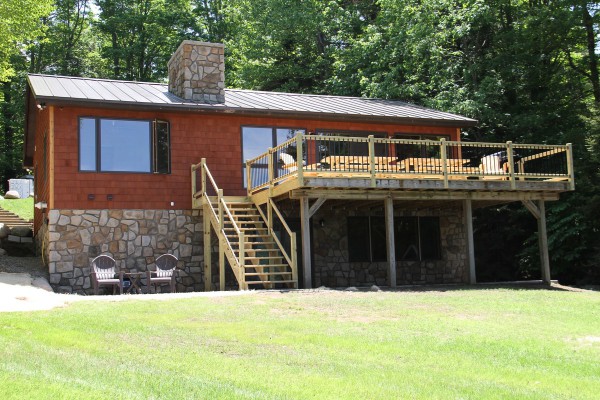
column 12, row 220
column 264, row 262
column 246, row 237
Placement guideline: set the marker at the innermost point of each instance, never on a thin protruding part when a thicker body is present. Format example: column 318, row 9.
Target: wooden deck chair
column 289, row 164
column 104, row 273
column 166, row 268
column 492, row 165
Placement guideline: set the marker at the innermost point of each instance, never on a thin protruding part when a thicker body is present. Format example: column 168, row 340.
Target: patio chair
column 104, row 273
column 289, row 164
column 492, row 164
column 166, row 268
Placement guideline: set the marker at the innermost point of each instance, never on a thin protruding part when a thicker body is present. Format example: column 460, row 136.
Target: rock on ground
column 12, row 194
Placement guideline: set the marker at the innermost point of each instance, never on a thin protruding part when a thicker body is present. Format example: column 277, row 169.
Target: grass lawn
column 22, row 207
column 483, row 343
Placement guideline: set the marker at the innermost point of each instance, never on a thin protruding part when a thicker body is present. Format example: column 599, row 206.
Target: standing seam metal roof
column 144, row 94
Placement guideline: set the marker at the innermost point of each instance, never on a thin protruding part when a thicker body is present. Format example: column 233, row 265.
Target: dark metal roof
column 63, row 89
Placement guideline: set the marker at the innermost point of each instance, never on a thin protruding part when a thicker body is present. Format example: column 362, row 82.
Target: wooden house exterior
column 265, row 190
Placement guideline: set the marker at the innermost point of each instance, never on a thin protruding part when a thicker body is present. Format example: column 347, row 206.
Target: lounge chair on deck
column 166, row 268
column 104, row 273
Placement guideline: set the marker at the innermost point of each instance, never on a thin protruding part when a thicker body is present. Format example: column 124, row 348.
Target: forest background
column 527, row 70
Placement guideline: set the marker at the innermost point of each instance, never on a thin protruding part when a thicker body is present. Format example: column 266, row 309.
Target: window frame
column 153, row 150
column 419, row 238
column 273, row 143
column 371, row 256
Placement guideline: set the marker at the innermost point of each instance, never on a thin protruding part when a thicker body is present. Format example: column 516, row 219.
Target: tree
column 20, row 22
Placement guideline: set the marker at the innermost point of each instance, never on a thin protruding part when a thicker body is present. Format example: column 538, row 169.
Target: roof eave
column 459, row 123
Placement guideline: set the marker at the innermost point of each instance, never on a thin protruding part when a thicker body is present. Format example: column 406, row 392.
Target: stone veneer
column 197, row 72
column 134, row 238
column 332, row 267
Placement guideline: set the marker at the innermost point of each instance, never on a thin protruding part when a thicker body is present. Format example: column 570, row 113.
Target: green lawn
column 22, row 207
column 494, row 343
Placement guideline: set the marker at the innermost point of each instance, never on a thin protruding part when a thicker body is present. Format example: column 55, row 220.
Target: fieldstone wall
column 134, row 238
column 332, row 267
column 197, row 72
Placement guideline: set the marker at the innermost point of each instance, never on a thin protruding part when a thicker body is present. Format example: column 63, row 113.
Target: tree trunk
column 588, row 24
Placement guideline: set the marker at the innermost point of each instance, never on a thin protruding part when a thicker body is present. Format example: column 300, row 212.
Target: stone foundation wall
column 134, row 238
column 333, row 268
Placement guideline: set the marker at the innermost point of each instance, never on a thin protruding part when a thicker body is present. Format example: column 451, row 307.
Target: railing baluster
column 242, row 259
column 511, row 164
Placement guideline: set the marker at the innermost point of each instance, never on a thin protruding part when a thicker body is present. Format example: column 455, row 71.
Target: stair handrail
column 292, row 259
column 220, row 211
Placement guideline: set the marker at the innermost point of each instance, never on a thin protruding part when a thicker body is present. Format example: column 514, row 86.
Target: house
column 265, row 189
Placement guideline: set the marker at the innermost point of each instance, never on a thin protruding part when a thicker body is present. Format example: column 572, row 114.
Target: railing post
column 444, row 154
column 248, row 177
column 219, row 197
column 372, row 160
column 294, row 255
column 203, row 175
column 270, row 216
column 570, row 169
column 242, row 260
column 299, row 159
column 193, row 171
column 511, row 164
column 270, row 172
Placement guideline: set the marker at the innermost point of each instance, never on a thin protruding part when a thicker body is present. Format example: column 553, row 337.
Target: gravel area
column 29, row 265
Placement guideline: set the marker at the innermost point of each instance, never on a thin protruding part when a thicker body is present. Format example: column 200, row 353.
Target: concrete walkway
column 21, row 292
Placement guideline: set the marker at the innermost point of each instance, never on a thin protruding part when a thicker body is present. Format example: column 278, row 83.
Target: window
column 119, row 145
column 417, row 238
column 404, row 151
column 257, row 140
column 366, row 239
column 348, row 148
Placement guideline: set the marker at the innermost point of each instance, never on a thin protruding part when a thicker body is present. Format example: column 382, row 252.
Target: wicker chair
column 104, row 274
column 166, row 272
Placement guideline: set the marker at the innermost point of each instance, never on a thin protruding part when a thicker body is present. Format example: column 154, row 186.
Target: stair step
column 267, row 266
column 263, row 282
column 265, row 258
column 267, row 273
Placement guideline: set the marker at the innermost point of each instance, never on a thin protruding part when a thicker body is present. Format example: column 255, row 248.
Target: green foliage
column 20, row 22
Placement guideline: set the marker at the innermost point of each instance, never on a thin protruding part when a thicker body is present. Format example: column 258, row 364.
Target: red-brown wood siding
column 40, row 163
column 193, row 136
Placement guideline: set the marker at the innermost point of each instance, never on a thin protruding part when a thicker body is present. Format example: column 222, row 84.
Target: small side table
column 135, row 285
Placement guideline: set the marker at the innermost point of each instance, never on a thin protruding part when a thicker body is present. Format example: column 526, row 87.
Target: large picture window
column 257, row 140
column 404, row 151
column 366, row 239
column 416, row 239
column 119, row 145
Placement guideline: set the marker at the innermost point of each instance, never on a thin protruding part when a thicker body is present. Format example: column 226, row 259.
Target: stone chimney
column 197, row 72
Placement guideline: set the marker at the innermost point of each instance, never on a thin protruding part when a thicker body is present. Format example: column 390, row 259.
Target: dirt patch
column 28, row 265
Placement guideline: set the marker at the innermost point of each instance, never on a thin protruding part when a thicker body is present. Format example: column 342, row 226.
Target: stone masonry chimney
column 197, row 72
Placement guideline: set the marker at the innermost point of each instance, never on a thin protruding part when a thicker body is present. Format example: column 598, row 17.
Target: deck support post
column 468, row 216
column 391, row 244
column 306, row 256
column 543, row 243
column 539, row 212
column 207, row 249
column 221, row 265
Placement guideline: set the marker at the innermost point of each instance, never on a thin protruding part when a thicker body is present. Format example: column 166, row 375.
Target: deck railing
column 380, row 158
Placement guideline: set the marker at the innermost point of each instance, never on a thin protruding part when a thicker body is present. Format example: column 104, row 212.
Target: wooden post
column 270, row 171
column 543, row 243
column 372, row 160
column 391, row 245
column 221, row 264
column 270, row 215
column 468, row 216
column 444, row 162
column 294, row 256
column 570, row 169
column 203, row 176
column 306, row 256
column 248, row 178
column 242, row 261
column 299, row 159
column 511, row 165
column 193, row 171
column 207, row 249
column 221, row 214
